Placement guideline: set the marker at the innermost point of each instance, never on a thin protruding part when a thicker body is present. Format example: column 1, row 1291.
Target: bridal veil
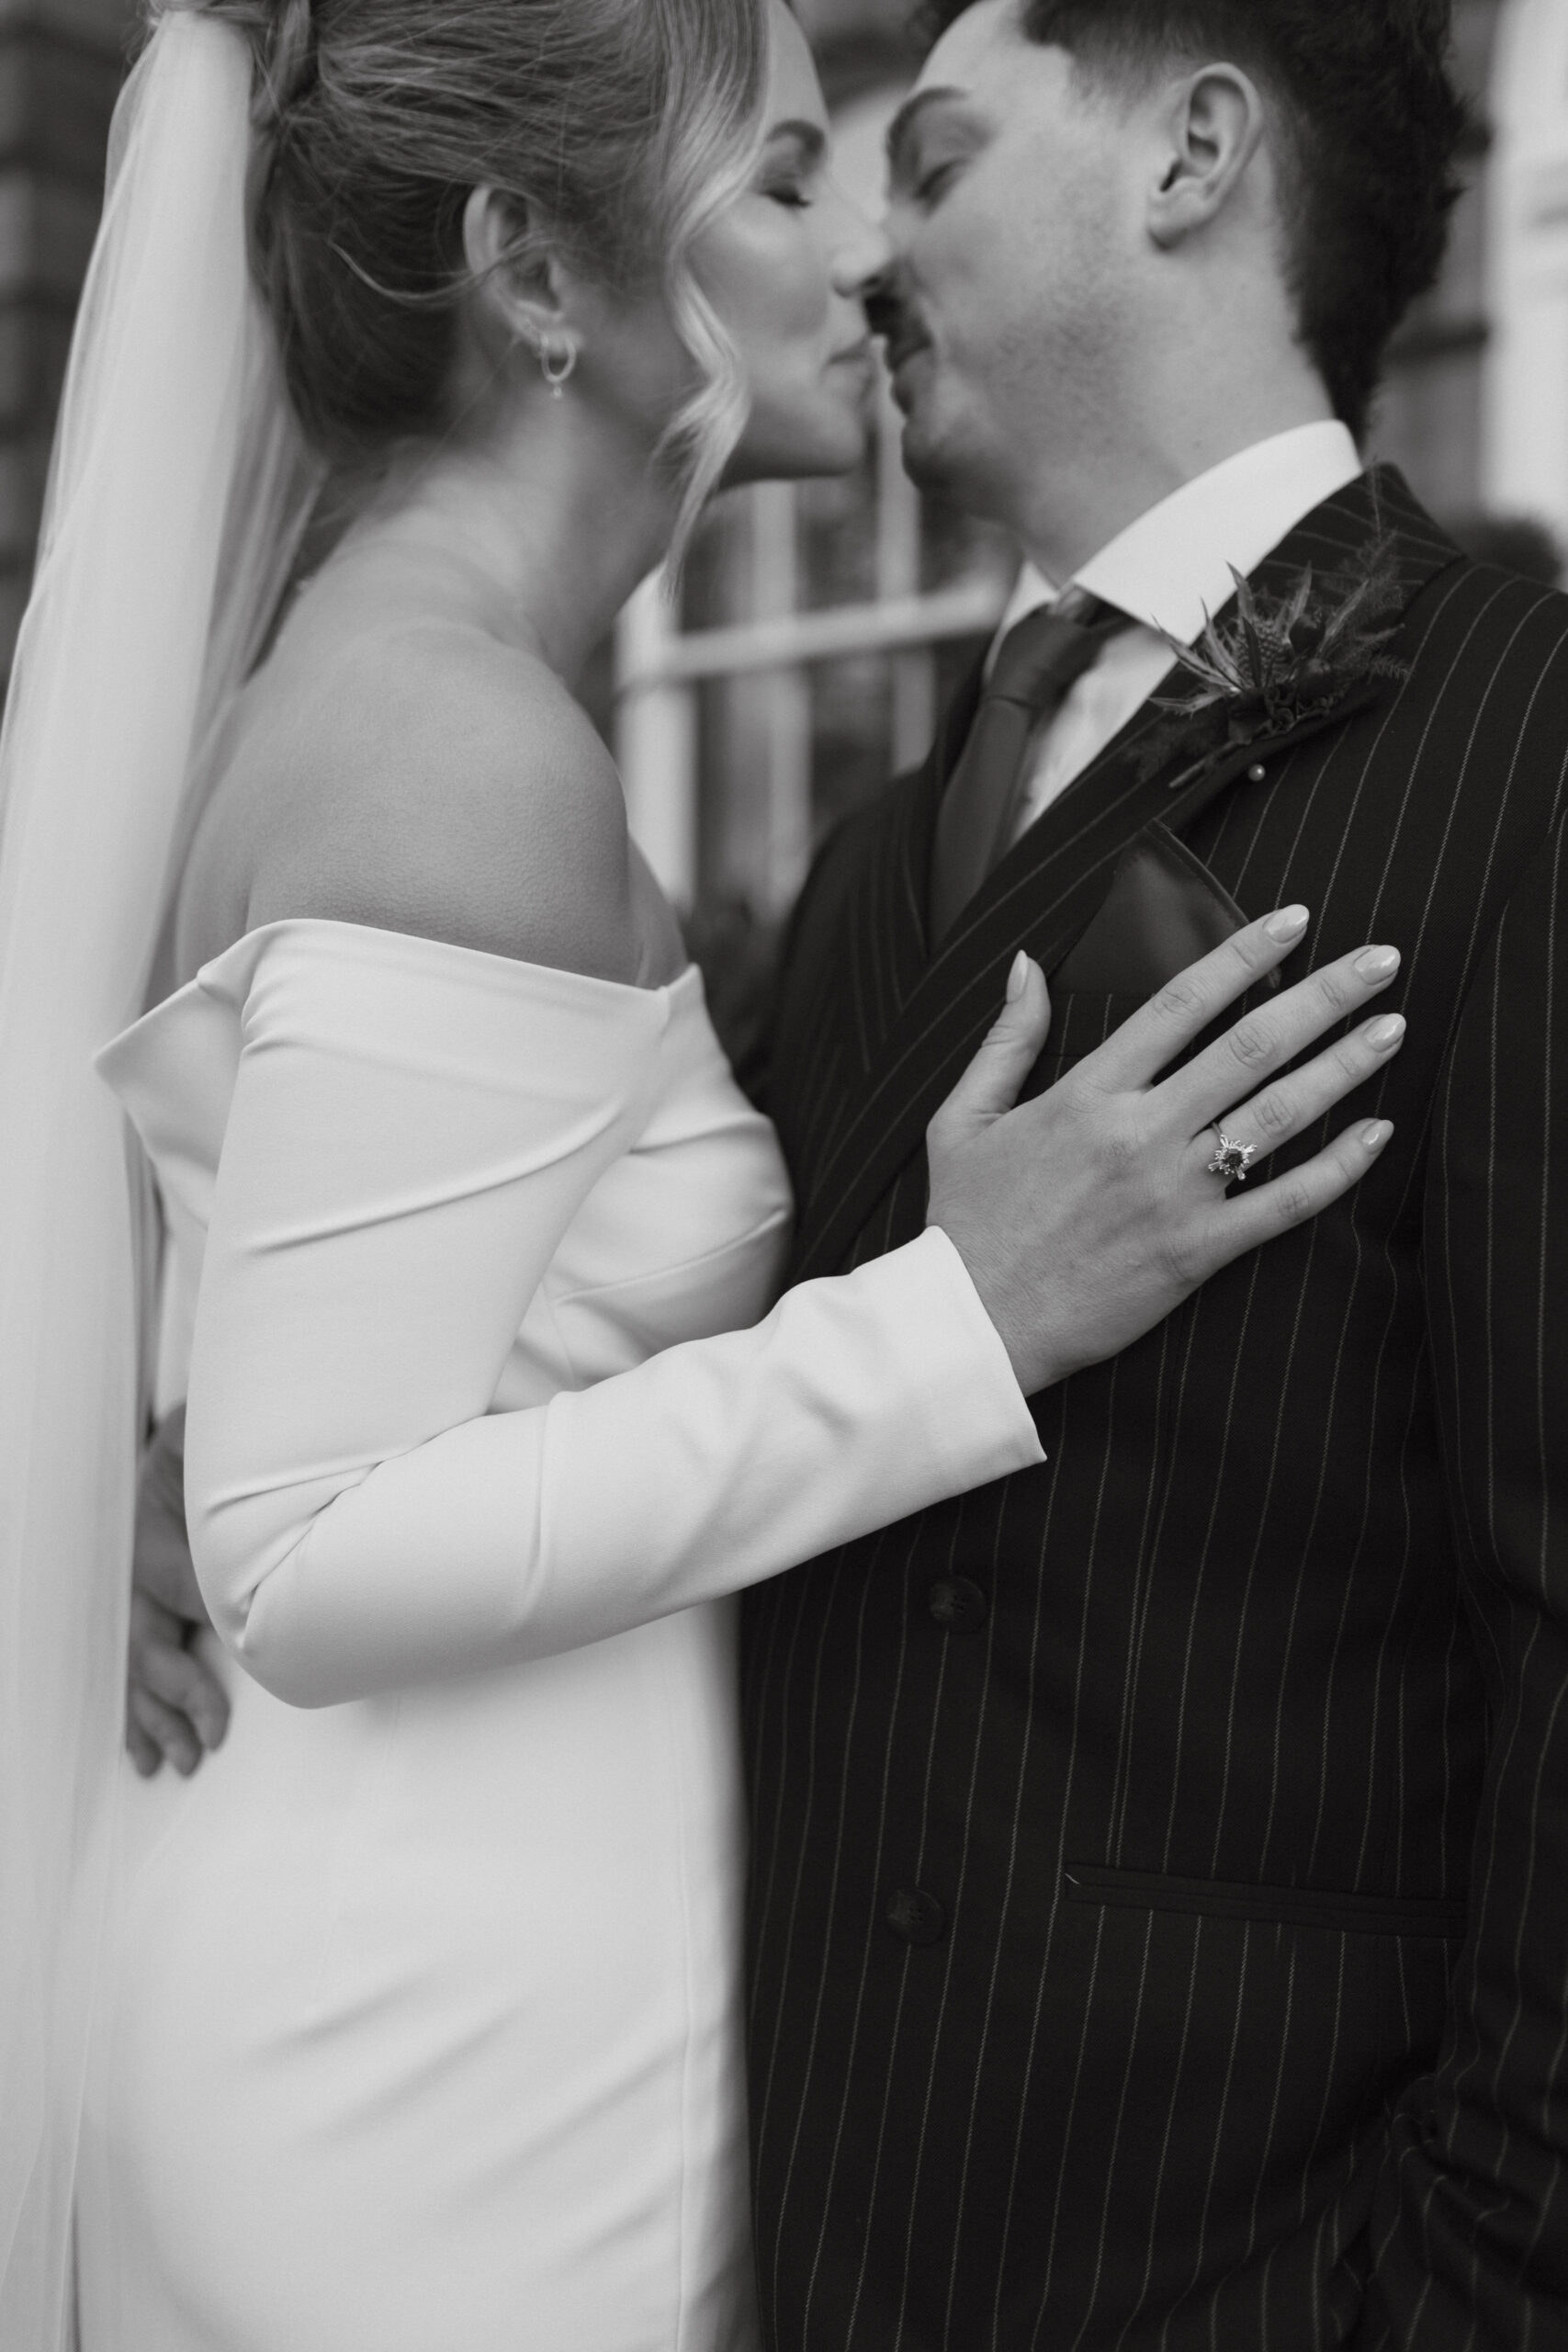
column 178, row 488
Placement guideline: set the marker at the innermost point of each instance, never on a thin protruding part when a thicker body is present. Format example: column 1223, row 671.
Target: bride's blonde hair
column 622, row 128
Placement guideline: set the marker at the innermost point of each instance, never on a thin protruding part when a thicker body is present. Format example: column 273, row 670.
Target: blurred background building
column 819, row 625
column 61, row 63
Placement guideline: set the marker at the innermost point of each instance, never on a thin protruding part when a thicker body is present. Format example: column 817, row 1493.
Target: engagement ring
column 1233, row 1159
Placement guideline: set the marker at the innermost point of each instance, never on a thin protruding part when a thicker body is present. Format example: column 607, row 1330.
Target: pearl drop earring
column 557, row 366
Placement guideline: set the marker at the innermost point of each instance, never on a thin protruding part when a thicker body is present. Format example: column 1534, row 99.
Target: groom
column 1161, row 1872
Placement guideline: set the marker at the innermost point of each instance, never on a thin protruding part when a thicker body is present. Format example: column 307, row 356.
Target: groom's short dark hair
column 1373, row 124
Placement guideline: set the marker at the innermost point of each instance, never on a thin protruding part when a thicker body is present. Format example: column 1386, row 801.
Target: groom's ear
column 1211, row 125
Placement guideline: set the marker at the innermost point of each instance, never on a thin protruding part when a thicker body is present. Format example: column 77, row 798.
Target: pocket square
column 1164, row 910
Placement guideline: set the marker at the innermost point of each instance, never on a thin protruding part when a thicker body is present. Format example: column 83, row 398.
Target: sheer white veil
column 178, row 490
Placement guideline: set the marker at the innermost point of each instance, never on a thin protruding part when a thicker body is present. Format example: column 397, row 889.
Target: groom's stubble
column 1115, row 261
column 1051, row 351
column 1005, row 309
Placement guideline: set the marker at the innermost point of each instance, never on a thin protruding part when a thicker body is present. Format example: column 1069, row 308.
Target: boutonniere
column 1292, row 655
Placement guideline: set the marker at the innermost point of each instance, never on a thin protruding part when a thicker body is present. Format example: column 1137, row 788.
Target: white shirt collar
column 1171, row 568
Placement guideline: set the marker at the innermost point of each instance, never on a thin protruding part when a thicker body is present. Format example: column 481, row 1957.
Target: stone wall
column 61, row 65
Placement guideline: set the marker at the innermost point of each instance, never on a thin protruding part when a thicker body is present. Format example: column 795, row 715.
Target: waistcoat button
column 958, row 1605
column 915, row 1916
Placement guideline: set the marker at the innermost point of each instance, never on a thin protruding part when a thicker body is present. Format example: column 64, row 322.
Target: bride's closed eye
column 793, row 166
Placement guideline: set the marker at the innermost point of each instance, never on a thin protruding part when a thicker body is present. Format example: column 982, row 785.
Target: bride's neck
column 538, row 538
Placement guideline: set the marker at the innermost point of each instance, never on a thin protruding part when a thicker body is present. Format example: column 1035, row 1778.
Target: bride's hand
column 174, row 1708
column 1087, row 1216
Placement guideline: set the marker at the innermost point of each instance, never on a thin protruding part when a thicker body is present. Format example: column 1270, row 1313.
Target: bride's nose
column 862, row 253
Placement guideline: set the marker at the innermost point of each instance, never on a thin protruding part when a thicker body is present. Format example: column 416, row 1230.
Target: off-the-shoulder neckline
column 417, row 943
column 208, row 981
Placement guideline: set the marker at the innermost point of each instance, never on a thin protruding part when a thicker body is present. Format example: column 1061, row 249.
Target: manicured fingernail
column 1377, row 1133
column 1017, row 978
column 1288, row 924
column 1378, row 963
column 1386, row 1033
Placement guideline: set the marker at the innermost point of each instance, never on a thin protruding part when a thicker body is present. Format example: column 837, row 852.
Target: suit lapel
column 1040, row 900
column 1042, row 894
column 856, row 952
column 886, row 912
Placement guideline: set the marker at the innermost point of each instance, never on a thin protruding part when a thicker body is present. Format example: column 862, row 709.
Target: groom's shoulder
column 1486, row 653
column 1472, row 635
column 1464, row 761
column 1491, row 610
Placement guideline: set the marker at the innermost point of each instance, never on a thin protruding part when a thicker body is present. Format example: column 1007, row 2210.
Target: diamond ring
column 1233, row 1159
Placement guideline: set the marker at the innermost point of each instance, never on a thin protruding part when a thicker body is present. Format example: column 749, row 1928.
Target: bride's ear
column 1212, row 125
column 519, row 284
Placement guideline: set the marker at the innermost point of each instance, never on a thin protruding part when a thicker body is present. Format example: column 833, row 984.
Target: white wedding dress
column 420, row 2029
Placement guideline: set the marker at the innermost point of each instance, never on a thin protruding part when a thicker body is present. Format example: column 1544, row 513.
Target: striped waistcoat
column 1159, row 1909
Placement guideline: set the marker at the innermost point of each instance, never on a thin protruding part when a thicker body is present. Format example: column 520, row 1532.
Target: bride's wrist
column 1028, row 1353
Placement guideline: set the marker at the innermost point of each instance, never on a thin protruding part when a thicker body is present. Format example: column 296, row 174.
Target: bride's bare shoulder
column 429, row 780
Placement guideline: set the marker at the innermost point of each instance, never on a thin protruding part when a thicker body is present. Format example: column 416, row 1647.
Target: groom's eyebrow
column 901, row 130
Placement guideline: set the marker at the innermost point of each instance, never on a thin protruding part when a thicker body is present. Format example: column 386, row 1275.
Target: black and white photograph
column 783, row 1163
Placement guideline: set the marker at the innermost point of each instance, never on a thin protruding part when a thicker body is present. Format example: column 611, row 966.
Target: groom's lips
column 900, row 350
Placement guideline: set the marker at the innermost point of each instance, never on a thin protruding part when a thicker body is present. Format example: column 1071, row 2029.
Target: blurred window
column 1525, row 415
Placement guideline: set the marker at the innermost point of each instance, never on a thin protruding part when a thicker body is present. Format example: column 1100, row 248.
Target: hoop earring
column 557, row 366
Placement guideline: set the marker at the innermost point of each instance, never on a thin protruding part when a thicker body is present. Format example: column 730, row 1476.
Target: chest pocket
column 1163, row 911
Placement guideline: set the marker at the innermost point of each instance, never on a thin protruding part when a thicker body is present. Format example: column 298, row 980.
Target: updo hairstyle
column 621, row 126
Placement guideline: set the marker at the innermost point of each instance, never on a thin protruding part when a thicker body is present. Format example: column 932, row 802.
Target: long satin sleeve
column 401, row 1157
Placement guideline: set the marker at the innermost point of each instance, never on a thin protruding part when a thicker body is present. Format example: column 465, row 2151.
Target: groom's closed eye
column 930, row 140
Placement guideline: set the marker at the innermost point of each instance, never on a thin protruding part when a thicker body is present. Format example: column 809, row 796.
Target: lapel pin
column 1257, row 771
column 1290, row 658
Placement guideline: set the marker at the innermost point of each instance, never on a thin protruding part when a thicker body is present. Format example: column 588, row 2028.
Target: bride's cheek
column 774, row 287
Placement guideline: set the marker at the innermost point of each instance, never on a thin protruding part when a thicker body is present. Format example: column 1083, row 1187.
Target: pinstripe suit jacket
column 1160, row 1884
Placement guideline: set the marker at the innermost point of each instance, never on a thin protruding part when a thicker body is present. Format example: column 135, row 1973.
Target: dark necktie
column 1039, row 661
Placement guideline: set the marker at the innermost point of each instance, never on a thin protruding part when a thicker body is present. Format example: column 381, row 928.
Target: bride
column 415, row 2014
